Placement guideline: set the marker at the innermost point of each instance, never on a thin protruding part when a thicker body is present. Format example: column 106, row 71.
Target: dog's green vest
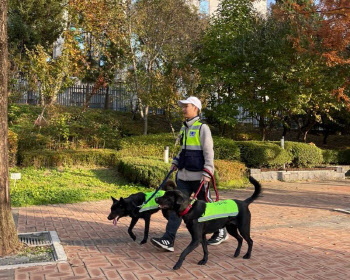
column 219, row 209
column 152, row 203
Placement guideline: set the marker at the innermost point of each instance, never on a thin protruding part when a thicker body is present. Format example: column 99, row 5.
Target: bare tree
column 8, row 235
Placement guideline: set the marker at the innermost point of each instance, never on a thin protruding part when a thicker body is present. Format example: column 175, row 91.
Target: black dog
column 129, row 207
column 177, row 201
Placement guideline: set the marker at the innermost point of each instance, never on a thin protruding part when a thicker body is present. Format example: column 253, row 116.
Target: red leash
column 206, row 193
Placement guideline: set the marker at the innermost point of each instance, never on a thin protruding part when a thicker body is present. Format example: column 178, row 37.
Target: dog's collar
column 183, row 213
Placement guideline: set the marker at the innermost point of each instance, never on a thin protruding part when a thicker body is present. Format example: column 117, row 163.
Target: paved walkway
column 296, row 236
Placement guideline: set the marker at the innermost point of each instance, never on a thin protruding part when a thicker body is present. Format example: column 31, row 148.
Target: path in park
column 296, row 235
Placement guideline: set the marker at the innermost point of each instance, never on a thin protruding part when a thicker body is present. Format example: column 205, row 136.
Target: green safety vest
column 192, row 139
column 191, row 156
column 152, row 203
column 219, row 209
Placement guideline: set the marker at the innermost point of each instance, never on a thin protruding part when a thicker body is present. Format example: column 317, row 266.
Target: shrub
column 225, row 148
column 153, row 145
column 67, row 127
column 89, row 157
column 147, row 171
column 12, row 148
column 263, row 154
column 247, row 136
column 148, row 145
column 344, row 156
column 304, row 155
column 330, row 156
column 230, row 173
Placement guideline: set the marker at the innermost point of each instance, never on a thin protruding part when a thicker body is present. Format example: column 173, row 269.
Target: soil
column 29, row 255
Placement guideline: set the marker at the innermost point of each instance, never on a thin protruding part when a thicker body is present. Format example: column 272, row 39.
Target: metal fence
column 115, row 98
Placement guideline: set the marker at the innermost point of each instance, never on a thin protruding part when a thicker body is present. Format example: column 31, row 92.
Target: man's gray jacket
column 208, row 152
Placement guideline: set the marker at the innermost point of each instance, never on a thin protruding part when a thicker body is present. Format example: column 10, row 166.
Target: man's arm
column 208, row 149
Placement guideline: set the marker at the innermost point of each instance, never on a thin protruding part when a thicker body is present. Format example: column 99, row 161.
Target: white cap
column 191, row 100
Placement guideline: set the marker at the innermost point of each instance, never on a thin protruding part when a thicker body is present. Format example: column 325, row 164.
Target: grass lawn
column 68, row 185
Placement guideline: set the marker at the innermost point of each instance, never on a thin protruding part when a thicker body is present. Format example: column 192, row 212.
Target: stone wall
column 303, row 175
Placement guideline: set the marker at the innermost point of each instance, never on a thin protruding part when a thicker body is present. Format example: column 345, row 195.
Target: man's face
column 189, row 111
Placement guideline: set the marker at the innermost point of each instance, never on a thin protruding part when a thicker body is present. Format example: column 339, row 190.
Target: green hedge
column 226, row 149
column 344, row 156
column 147, row 171
column 230, row 174
column 304, row 155
column 148, row 145
column 152, row 171
column 263, row 154
column 253, row 153
column 336, row 156
column 88, row 157
column 153, row 145
column 330, row 156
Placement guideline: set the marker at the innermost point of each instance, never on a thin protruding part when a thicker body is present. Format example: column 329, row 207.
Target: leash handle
column 183, row 213
column 207, row 190
column 157, row 189
column 214, row 185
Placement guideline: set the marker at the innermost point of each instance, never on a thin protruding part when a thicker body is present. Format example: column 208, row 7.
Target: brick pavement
column 296, row 236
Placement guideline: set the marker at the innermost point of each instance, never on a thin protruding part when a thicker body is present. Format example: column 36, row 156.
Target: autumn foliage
column 321, row 28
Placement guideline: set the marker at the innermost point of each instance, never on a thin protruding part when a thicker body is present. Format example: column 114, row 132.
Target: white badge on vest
column 192, row 133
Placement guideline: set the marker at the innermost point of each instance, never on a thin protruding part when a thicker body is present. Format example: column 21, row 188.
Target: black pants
column 174, row 221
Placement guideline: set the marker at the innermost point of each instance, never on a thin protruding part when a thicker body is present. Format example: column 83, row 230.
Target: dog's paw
column 143, row 241
column 202, row 262
column 177, row 266
column 133, row 236
column 246, row 256
column 236, row 254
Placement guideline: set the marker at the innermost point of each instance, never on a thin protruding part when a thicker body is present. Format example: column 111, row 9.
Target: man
column 196, row 154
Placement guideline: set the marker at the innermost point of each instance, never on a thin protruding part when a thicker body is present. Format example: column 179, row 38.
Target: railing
column 114, row 98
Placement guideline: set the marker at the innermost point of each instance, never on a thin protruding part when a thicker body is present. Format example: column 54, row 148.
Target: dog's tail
column 257, row 190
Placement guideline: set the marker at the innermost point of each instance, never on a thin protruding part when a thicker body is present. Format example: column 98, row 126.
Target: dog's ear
column 169, row 185
column 114, row 200
column 179, row 199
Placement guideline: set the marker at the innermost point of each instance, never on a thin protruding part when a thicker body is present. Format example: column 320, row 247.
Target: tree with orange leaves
column 320, row 32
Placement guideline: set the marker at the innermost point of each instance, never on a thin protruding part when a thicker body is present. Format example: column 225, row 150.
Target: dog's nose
column 156, row 200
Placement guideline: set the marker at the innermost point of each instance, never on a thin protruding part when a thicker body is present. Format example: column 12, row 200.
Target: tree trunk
column 326, row 133
column 145, row 118
column 305, row 129
column 8, row 235
column 286, row 125
column 262, row 126
column 168, row 118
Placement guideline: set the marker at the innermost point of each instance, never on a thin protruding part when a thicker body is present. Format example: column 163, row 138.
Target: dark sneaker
column 218, row 238
column 161, row 243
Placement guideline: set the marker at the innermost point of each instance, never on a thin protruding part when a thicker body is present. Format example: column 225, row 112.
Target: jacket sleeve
column 176, row 159
column 208, row 149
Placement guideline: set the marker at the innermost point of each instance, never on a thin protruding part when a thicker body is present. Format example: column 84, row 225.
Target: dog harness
column 219, row 209
column 183, row 213
column 151, row 204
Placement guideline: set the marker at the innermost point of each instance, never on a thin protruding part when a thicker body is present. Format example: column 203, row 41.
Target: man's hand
column 173, row 167
column 205, row 179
